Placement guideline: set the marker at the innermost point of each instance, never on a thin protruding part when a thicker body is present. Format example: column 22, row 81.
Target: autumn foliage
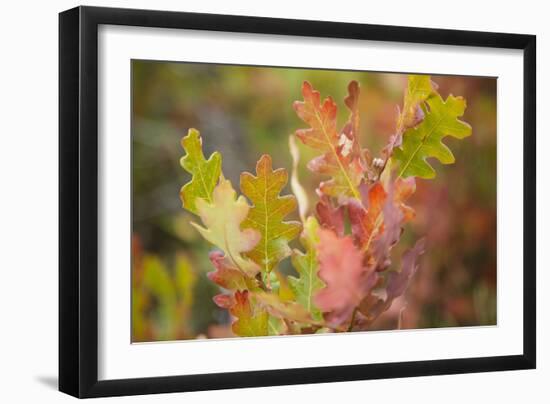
column 346, row 273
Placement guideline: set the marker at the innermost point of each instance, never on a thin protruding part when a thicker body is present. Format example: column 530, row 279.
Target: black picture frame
column 78, row 200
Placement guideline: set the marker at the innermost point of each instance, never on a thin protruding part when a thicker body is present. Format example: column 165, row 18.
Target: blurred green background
column 244, row 112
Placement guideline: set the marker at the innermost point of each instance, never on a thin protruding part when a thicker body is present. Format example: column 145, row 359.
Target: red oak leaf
column 228, row 277
column 341, row 268
column 226, row 274
column 351, row 129
column 330, row 217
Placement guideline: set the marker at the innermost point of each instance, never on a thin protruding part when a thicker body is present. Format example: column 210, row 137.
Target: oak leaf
column 226, row 274
column 251, row 320
column 205, row 173
column 351, row 129
column 330, row 216
column 419, row 88
column 371, row 307
column 425, row 140
column 222, row 218
column 341, row 268
column 399, row 281
column 308, row 284
column 366, row 218
column 228, row 277
column 339, row 159
column 268, row 212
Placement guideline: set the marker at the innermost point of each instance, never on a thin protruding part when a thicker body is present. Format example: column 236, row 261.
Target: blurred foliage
column 244, row 112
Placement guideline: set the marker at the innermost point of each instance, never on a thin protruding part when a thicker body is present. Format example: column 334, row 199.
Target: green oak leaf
column 425, row 140
column 205, row 173
column 268, row 212
column 308, row 284
column 419, row 88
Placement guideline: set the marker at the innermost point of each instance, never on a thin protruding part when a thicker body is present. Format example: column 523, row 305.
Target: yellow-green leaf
column 205, row 173
column 419, row 88
column 268, row 213
column 223, row 218
column 308, row 284
column 252, row 320
column 425, row 140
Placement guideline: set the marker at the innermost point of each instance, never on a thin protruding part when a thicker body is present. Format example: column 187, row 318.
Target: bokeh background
column 244, row 112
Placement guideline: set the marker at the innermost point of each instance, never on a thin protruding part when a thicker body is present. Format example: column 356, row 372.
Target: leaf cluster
column 346, row 278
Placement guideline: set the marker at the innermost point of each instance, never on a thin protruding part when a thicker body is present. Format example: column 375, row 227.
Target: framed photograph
column 251, row 201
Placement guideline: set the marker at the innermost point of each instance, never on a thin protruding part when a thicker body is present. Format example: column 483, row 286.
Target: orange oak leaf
column 341, row 159
column 366, row 218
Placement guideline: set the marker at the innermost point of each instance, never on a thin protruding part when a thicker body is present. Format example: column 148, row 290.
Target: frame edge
column 529, row 201
column 69, row 81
